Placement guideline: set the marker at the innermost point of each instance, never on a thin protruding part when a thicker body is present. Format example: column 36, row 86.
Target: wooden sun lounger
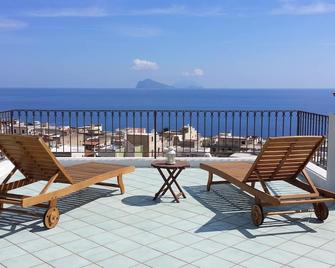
column 282, row 158
column 33, row 158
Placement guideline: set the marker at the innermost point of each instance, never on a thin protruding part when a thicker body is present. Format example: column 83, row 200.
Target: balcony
column 100, row 227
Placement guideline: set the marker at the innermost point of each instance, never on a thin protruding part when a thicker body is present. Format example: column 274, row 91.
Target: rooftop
column 100, row 227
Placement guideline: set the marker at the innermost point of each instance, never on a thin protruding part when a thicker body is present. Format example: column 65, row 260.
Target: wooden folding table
column 174, row 171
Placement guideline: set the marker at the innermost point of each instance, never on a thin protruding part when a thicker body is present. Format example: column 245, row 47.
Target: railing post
column 298, row 122
column 155, row 133
column 331, row 153
column 11, row 122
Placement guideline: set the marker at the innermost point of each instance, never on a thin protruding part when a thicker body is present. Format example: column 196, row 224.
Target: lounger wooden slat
column 33, row 158
column 282, row 158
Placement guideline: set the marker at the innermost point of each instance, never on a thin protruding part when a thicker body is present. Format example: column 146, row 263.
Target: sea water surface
column 312, row 100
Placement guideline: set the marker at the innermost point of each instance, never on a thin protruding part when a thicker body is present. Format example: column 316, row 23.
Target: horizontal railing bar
column 147, row 110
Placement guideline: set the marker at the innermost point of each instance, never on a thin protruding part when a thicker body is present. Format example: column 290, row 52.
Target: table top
column 163, row 164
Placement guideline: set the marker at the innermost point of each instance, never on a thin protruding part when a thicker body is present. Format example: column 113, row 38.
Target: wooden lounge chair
column 282, row 158
column 33, row 158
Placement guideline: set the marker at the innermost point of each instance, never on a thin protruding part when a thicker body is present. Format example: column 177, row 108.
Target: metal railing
column 148, row 132
column 315, row 124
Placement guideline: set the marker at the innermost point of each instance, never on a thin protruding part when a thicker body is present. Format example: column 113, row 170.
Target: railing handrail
column 151, row 110
column 169, row 110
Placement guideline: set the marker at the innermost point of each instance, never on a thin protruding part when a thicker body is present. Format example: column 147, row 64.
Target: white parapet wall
column 331, row 154
column 145, row 162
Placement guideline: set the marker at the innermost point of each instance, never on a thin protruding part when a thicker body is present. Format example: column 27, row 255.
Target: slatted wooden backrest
column 283, row 158
column 32, row 157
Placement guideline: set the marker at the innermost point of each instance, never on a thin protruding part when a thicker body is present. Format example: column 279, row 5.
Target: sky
column 216, row 44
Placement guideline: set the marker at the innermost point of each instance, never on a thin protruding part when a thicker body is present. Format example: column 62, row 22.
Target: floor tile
column 280, row 256
column 88, row 231
column 21, row 237
column 148, row 225
column 36, row 244
column 118, row 261
column 188, row 254
column 260, row 262
column 330, row 246
column 143, row 254
column 185, row 225
column 122, row 246
column 72, row 261
column 322, row 255
column 295, row 247
column 145, row 238
column 63, row 237
column 79, row 245
column 304, row 262
column 165, row 231
column 212, row 261
column 208, row 246
column 104, row 238
column 97, row 254
column 4, row 243
column 165, row 261
column 165, row 245
column 166, row 219
column 22, row 261
column 251, row 247
column 186, row 238
column 52, row 253
column 227, row 239
column 110, row 225
column 306, row 240
column 233, row 255
column 127, row 231
column 10, row 252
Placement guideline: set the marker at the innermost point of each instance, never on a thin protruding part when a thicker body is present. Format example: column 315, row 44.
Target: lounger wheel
column 321, row 211
column 257, row 215
column 51, row 218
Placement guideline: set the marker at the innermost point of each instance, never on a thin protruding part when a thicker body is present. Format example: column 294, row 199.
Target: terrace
column 100, row 227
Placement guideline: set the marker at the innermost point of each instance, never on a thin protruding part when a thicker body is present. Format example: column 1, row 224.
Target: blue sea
column 312, row 100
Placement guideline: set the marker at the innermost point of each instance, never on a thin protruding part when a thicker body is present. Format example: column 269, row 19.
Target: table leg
column 165, row 184
column 172, row 175
column 174, row 180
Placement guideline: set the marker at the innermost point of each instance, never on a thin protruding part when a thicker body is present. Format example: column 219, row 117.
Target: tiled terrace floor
column 99, row 227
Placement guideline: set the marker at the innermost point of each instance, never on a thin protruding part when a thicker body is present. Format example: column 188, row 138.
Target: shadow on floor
column 11, row 223
column 140, row 201
column 232, row 212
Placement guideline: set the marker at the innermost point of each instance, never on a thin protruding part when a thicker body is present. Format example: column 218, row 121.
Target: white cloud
column 194, row 72
column 292, row 8
column 12, row 24
column 173, row 10
column 142, row 65
column 68, row 12
column 176, row 10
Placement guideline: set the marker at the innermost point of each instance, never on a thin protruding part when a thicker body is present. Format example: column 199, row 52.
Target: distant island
column 151, row 84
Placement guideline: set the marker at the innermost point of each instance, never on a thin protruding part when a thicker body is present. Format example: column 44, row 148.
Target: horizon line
column 173, row 88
